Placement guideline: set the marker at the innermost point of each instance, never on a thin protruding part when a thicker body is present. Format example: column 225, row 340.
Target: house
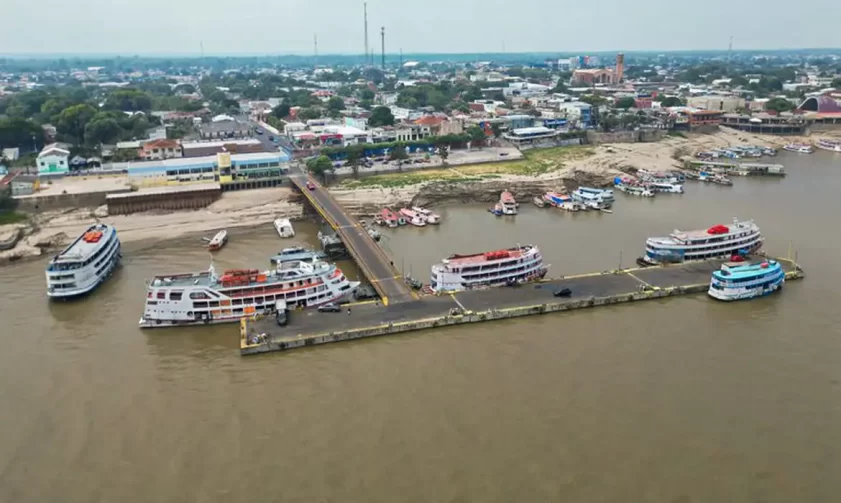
column 24, row 185
column 53, row 160
column 10, row 154
column 160, row 149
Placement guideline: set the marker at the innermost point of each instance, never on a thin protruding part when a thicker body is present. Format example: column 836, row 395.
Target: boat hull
column 745, row 293
column 151, row 323
column 83, row 292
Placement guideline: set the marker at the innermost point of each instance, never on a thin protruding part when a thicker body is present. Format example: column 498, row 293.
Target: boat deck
column 370, row 319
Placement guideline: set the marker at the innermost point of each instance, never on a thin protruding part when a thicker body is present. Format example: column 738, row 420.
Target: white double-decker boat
column 594, row 198
column 431, row 218
column 205, row 297
column 413, row 217
column 495, row 268
column 719, row 241
column 85, row 264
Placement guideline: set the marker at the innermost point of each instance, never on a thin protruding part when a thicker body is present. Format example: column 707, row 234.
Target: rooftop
column 219, row 143
column 81, row 249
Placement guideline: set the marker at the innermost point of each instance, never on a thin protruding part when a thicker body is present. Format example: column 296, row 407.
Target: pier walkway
column 372, row 260
column 370, row 319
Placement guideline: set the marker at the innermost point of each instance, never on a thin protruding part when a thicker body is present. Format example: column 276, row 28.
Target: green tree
column 366, row 95
column 381, row 116
column 836, row 83
column 626, row 102
column 16, row 132
column 444, row 153
column 670, row 101
column 129, row 100
column 72, row 121
column 335, row 105
column 320, row 166
column 476, row 135
column 496, row 129
column 306, row 114
column 398, row 153
column 779, row 105
column 102, row 128
column 281, row 111
column 593, row 99
column 354, row 158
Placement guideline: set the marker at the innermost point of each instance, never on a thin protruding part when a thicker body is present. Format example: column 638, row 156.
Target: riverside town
column 358, row 254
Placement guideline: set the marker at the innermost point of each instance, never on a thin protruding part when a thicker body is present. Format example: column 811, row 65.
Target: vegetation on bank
column 536, row 162
column 12, row 217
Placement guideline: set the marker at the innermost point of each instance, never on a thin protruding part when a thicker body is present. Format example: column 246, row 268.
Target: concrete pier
column 372, row 319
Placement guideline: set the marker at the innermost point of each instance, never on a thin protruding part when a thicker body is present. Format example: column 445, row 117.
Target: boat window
column 161, row 295
column 175, row 295
column 198, row 295
column 214, row 303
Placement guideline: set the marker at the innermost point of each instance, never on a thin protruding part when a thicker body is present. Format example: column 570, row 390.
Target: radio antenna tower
column 365, row 11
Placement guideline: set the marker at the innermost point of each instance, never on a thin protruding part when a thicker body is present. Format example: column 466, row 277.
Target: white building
column 53, row 160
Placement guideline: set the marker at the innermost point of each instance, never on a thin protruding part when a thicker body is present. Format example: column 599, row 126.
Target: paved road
column 367, row 253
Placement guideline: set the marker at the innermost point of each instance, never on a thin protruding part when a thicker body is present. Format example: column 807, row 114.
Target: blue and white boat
column 298, row 254
column 85, row 264
column 739, row 280
column 719, row 241
column 594, row 198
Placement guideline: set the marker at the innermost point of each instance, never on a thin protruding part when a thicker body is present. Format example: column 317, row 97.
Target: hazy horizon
column 163, row 28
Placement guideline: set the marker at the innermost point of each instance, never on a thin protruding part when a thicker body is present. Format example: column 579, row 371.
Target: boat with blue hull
column 740, row 280
column 298, row 254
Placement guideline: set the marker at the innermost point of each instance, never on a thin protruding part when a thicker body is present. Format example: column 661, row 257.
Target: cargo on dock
column 371, row 319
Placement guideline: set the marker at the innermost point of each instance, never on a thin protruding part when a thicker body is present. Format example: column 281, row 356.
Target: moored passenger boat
column 740, row 280
column 556, row 199
column 297, row 254
column 413, row 217
column 832, row 146
column 593, row 198
column 719, row 241
column 205, row 297
column 389, row 218
column 800, row 148
column 431, row 217
column 509, row 204
column 632, row 187
column 496, row 268
column 85, row 264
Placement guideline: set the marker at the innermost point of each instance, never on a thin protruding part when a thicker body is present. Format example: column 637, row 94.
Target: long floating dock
column 373, row 319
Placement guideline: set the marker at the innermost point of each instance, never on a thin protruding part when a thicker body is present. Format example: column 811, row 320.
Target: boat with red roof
column 494, row 268
column 205, row 297
column 390, row 218
column 718, row 241
column 509, row 204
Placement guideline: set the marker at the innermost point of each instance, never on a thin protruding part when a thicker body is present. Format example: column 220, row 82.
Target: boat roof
column 702, row 233
column 282, row 221
column 480, row 257
column 736, row 270
column 81, row 249
column 284, row 271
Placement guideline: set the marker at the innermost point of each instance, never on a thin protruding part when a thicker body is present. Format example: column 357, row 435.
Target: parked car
column 329, row 308
column 271, row 138
column 310, row 185
column 258, row 131
column 563, row 292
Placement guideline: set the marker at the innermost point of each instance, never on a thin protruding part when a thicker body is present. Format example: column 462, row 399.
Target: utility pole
column 730, row 49
column 315, row 44
column 382, row 43
column 401, row 57
column 365, row 10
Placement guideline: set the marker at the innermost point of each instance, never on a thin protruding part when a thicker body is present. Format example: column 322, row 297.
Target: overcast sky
column 130, row 27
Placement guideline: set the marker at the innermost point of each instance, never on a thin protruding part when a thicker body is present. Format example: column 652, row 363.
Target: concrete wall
column 551, row 142
column 65, row 201
column 596, row 138
column 182, row 200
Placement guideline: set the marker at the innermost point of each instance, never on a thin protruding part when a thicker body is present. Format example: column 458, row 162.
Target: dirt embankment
column 51, row 230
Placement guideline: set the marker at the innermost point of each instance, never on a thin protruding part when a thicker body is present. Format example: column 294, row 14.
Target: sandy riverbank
column 49, row 231
column 552, row 170
column 596, row 166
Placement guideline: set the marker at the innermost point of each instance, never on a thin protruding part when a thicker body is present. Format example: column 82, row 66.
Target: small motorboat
column 218, row 241
column 496, row 209
column 539, row 202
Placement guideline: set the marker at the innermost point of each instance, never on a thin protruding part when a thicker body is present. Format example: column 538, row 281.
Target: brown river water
column 684, row 400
